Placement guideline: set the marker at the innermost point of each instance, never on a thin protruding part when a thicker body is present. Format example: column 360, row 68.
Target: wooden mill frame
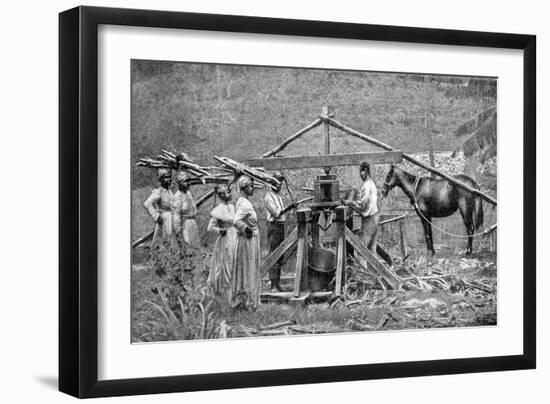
column 307, row 218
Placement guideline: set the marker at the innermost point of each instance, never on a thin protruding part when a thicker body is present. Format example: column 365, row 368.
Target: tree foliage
column 481, row 134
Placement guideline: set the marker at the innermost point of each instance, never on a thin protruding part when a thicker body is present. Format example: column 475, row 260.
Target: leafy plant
column 481, row 132
column 187, row 304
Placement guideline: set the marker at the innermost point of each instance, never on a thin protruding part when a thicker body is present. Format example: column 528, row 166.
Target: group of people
column 173, row 213
column 234, row 269
column 235, row 264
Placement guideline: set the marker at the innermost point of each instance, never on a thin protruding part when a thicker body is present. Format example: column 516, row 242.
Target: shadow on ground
column 48, row 381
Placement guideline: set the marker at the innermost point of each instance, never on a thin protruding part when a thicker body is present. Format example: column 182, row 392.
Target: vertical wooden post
column 315, row 230
column 349, row 222
column 341, row 217
column 403, row 237
column 302, row 217
column 324, row 111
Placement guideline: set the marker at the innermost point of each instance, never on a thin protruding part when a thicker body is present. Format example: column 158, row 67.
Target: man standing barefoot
column 276, row 218
column 367, row 207
column 158, row 206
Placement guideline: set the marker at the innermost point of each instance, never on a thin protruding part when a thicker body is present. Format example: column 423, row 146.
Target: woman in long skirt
column 245, row 276
column 184, row 212
column 221, row 223
column 158, row 206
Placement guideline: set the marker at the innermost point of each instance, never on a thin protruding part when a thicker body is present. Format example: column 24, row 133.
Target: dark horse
column 438, row 198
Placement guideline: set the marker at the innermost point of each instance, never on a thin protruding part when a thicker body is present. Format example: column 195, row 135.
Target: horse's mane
column 410, row 176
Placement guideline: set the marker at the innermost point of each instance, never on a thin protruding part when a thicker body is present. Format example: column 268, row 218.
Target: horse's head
column 390, row 181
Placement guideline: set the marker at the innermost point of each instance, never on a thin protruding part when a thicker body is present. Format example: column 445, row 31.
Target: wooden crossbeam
column 288, row 244
column 409, row 158
column 330, row 160
column 292, row 138
column 392, row 219
column 372, row 260
column 384, row 254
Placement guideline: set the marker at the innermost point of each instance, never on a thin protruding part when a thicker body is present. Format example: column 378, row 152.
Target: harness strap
column 415, row 204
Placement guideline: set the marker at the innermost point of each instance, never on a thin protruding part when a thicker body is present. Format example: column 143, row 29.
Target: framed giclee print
column 251, row 201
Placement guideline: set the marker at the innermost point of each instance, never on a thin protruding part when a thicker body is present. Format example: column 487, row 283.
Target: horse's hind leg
column 428, row 235
column 466, row 208
column 470, row 239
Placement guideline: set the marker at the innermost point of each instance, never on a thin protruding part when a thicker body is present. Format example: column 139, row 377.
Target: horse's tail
column 478, row 212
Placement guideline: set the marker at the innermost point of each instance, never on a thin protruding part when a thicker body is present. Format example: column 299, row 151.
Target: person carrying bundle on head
column 276, row 218
column 367, row 207
column 245, row 276
column 221, row 223
column 184, row 211
column 158, row 206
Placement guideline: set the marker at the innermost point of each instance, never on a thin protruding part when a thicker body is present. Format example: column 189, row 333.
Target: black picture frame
column 78, row 201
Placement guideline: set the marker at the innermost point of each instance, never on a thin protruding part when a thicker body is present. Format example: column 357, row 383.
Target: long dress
column 158, row 204
column 183, row 217
column 245, row 276
column 219, row 276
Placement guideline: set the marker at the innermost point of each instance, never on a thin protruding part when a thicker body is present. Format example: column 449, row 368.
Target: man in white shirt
column 367, row 206
column 275, row 216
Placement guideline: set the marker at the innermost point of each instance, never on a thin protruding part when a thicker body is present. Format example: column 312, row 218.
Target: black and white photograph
column 285, row 201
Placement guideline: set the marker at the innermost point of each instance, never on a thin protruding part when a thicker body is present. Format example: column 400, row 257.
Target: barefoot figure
column 158, row 206
column 367, row 207
column 276, row 218
column 245, row 282
column 221, row 223
column 184, row 212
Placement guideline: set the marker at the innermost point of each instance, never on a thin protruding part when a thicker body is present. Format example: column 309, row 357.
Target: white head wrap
column 243, row 181
column 182, row 176
column 163, row 171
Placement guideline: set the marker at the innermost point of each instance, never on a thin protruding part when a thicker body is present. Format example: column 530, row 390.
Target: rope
column 415, row 204
column 239, row 169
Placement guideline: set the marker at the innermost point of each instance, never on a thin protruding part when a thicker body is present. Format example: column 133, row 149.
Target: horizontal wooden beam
column 330, row 160
column 392, row 219
column 409, row 158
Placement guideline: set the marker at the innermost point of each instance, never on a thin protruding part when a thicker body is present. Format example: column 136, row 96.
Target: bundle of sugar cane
column 174, row 161
column 210, row 179
column 150, row 163
column 182, row 161
column 218, row 168
column 258, row 175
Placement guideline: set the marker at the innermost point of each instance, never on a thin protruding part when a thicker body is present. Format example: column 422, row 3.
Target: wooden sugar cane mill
column 311, row 255
column 317, row 266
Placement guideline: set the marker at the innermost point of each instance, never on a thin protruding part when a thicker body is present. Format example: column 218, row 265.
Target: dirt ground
column 449, row 290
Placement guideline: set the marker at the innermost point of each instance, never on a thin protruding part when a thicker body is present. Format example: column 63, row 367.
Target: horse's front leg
column 470, row 239
column 428, row 235
column 430, row 239
column 466, row 211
